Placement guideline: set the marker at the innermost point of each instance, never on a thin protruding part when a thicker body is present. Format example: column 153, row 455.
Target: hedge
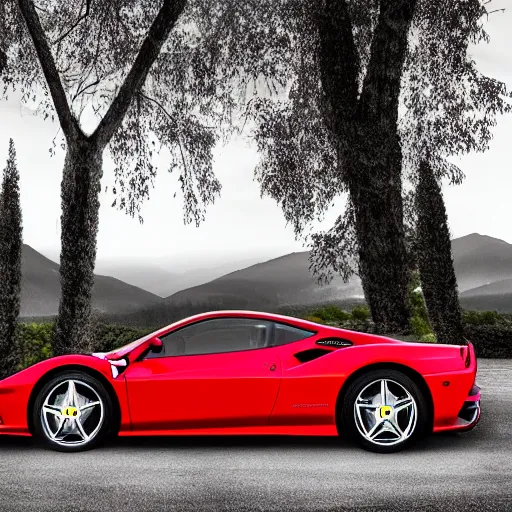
column 490, row 332
column 490, row 341
column 33, row 341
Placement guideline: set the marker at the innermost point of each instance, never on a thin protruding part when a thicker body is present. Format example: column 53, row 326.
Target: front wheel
column 384, row 411
column 72, row 412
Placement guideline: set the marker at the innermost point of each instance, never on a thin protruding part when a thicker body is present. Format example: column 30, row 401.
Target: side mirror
column 156, row 346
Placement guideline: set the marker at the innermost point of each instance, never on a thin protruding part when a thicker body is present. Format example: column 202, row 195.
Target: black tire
column 83, row 381
column 347, row 416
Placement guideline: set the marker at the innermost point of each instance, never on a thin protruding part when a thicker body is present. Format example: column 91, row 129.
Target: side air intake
column 310, row 354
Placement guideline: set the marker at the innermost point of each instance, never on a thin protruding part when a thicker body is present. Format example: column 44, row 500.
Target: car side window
column 216, row 336
column 285, row 334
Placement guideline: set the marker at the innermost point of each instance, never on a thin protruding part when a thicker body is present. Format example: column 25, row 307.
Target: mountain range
column 162, row 282
column 483, row 266
column 40, row 289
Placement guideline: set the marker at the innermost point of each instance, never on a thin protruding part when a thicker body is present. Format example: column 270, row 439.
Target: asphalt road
column 469, row 472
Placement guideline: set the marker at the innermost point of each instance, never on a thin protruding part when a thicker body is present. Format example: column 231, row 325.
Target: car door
column 218, row 373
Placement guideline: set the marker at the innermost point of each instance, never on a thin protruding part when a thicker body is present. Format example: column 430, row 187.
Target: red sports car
column 241, row 372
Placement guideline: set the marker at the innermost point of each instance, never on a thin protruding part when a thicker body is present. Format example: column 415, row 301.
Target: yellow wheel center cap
column 69, row 412
column 385, row 411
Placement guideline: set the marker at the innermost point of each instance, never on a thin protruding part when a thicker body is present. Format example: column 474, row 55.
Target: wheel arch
column 407, row 370
column 69, row 368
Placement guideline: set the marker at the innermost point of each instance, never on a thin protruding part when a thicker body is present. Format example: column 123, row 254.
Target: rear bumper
column 469, row 414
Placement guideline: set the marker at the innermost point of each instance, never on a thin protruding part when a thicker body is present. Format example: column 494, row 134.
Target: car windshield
column 131, row 345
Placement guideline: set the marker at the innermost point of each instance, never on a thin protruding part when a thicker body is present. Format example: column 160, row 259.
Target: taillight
column 465, row 354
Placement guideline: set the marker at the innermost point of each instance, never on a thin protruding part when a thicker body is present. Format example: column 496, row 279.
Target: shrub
column 331, row 313
column 109, row 337
column 481, row 317
column 361, row 313
column 312, row 318
column 419, row 322
column 493, row 341
column 33, row 341
column 428, row 338
column 420, row 327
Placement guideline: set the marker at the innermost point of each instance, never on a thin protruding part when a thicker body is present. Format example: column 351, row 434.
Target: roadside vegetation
column 489, row 331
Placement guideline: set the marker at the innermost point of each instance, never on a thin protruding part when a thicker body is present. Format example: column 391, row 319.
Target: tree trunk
column 374, row 165
column 377, row 198
column 435, row 261
column 79, row 228
column 367, row 131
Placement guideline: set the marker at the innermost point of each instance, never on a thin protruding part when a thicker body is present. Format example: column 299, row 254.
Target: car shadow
column 241, row 441
column 435, row 442
column 10, row 441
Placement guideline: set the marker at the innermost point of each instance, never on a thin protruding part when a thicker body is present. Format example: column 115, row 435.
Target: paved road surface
column 469, row 472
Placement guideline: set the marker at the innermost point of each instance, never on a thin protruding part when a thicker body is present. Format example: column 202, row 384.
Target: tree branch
column 171, row 118
column 67, row 121
column 157, row 35
column 86, row 87
column 158, row 104
column 78, row 21
column 495, row 10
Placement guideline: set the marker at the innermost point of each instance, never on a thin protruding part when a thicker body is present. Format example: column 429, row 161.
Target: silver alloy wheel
column 385, row 412
column 72, row 413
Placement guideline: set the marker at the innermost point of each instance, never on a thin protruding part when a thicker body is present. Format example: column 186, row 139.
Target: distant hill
column 502, row 303
column 481, row 260
column 483, row 266
column 162, row 282
column 154, row 279
column 281, row 281
column 205, row 274
column 495, row 288
column 40, row 289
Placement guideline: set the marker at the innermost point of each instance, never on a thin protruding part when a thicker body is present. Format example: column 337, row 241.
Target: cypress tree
column 10, row 263
column 435, row 260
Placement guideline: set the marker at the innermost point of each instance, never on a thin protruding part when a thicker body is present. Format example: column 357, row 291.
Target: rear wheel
column 384, row 411
column 72, row 412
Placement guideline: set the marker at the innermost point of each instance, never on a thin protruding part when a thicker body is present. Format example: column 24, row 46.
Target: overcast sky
column 242, row 225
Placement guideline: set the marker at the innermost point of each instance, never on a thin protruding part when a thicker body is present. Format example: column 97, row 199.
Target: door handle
column 270, row 366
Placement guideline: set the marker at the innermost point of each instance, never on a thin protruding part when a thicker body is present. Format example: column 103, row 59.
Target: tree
column 438, row 280
column 69, row 59
column 371, row 152
column 10, row 262
column 451, row 109
column 339, row 131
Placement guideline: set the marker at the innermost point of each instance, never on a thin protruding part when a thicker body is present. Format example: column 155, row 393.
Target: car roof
column 238, row 313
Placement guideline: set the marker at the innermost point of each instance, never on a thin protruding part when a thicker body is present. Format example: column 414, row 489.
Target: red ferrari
column 241, row 372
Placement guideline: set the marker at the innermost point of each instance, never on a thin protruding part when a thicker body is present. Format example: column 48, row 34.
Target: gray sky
column 241, row 224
